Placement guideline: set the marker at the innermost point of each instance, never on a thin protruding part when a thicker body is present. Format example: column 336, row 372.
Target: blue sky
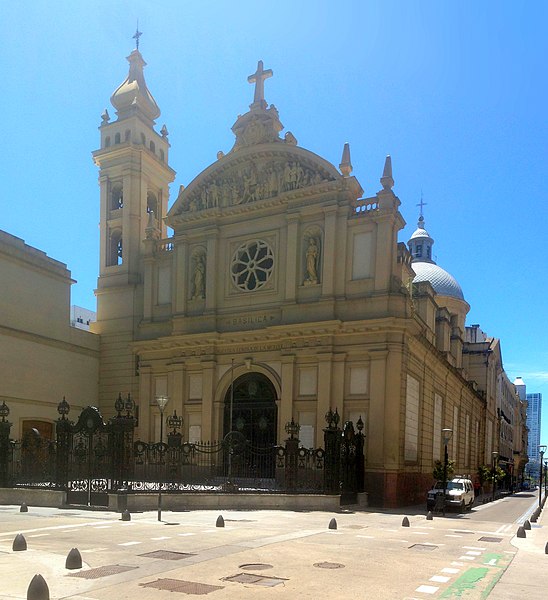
column 456, row 92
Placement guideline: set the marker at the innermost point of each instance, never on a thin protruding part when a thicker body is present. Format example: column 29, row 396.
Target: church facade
column 281, row 294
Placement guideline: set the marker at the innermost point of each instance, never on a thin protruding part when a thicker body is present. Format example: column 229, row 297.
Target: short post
column 161, row 401
column 446, row 433
column 494, row 474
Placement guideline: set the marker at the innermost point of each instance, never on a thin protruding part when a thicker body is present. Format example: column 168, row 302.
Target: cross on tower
column 421, row 204
column 258, row 79
column 137, row 35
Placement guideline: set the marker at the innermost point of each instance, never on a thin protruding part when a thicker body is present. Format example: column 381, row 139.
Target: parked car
column 459, row 494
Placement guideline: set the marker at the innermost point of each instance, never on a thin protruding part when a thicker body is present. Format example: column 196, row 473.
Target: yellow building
column 42, row 357
column 281, row 278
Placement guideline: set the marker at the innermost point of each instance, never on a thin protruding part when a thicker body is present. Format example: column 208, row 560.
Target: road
column 263, row 553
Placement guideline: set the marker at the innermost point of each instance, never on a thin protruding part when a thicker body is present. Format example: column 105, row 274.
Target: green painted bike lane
column 478, row 581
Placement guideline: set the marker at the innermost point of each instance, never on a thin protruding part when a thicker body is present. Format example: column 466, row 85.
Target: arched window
column 162, row 156
column 143, row 139
column 117, row 138
column 116, row 197
column 152, row 146
column 127, row 135
column 152, row 204
column 115, row 249
column 107, row 141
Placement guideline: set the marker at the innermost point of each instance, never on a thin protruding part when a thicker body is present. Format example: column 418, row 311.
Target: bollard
column 333, row 523
column 220, row 521
column 38, row 589
column 405, row 522
column 19, row 543
column 521, row 532
column 74, row 559
column 126, row 516
column 546, row 548
column 429, row 516
column 24, row 508
column 526, row 524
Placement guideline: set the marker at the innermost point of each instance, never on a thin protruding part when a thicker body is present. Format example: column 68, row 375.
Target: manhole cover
column 102, row 571
column 166, row 555
column 490, row 539
column 255, row 579
column 423, row 547
column 255, row 566
column 329, row 565
column 186, row 587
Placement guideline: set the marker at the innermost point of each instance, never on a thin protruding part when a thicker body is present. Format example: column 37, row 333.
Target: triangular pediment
column 252, row 175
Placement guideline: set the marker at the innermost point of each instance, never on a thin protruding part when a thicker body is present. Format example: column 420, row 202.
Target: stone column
column 180, row 276
column 286, row 401
column 291, row 265
column 145, row 383
column 328, row 251
column 208, row 394
column 325, row 399
column 211, row 271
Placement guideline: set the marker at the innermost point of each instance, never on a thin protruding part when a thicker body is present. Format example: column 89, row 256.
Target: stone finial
column 346, row 165
column 220, row 154
column 164, row 131
column 105, row 118
column 386, row 180
column 290, row 139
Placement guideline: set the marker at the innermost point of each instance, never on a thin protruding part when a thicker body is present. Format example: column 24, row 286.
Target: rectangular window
column 411, row 420
column 436, row 434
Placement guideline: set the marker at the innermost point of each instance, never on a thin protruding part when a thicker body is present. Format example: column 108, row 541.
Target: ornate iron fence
column 90, row 459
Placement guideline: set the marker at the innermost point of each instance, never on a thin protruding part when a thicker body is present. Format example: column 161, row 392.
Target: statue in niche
column 312, row 256
column 198, row 278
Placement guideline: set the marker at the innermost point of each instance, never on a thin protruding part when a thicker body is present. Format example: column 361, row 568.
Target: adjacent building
column 42, row 357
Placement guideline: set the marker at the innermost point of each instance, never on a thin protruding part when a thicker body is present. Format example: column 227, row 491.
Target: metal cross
column 422, row 203
column 137, row 35
column 258, row 79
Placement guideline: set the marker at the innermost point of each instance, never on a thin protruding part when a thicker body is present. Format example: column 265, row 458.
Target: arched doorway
column 253, row 408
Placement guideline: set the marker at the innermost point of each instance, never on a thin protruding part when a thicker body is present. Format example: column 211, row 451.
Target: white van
column 459, row 494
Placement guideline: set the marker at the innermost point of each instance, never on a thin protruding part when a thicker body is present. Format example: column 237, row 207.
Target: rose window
column 252, row 265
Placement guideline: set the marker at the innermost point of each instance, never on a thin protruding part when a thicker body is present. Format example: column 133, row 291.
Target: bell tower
column 134, row 178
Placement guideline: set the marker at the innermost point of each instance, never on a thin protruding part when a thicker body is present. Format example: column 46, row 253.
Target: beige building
column 281, row 279
column 42, row 357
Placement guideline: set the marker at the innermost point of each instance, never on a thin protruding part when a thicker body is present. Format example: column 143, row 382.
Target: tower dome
column 420, row 246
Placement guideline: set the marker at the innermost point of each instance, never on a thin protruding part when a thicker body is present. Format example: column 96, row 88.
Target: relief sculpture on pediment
column 252, row 182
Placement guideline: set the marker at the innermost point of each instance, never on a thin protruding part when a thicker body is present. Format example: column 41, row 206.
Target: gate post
column 348, row 459
column 5, row 446
column 291, row 454
column 120, row 441
column 63, row 430
column 332, row 442
column 360, row 458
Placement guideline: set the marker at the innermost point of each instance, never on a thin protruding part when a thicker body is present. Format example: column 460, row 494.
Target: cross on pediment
column 258, row 79
column 137, row 35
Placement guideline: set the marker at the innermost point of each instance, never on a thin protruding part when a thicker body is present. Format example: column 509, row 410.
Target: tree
column 437, row 472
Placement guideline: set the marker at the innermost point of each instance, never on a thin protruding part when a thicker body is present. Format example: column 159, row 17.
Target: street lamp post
column 494, row 474
column 446, row 433
column 541, row 451
column 161, row 401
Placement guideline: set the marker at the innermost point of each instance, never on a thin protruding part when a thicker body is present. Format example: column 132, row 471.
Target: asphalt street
column 282, row 554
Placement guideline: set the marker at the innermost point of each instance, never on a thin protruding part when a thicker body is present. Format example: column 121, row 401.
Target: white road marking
column 185, row 534
column 95, row 550
column 453, row 535
column 129, row 543
column 467, row 558
column 419, row 533
column 427, row 589
column 457, row 564
column 492, row 562
column 439, row 579
column 103, row 527
column 163, row 537
column 368, row 537
column 474, row 548
column 39, row 535
column 449, row 570
column 473, row 553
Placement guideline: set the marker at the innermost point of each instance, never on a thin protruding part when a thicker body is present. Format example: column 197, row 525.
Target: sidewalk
column 527, row 574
